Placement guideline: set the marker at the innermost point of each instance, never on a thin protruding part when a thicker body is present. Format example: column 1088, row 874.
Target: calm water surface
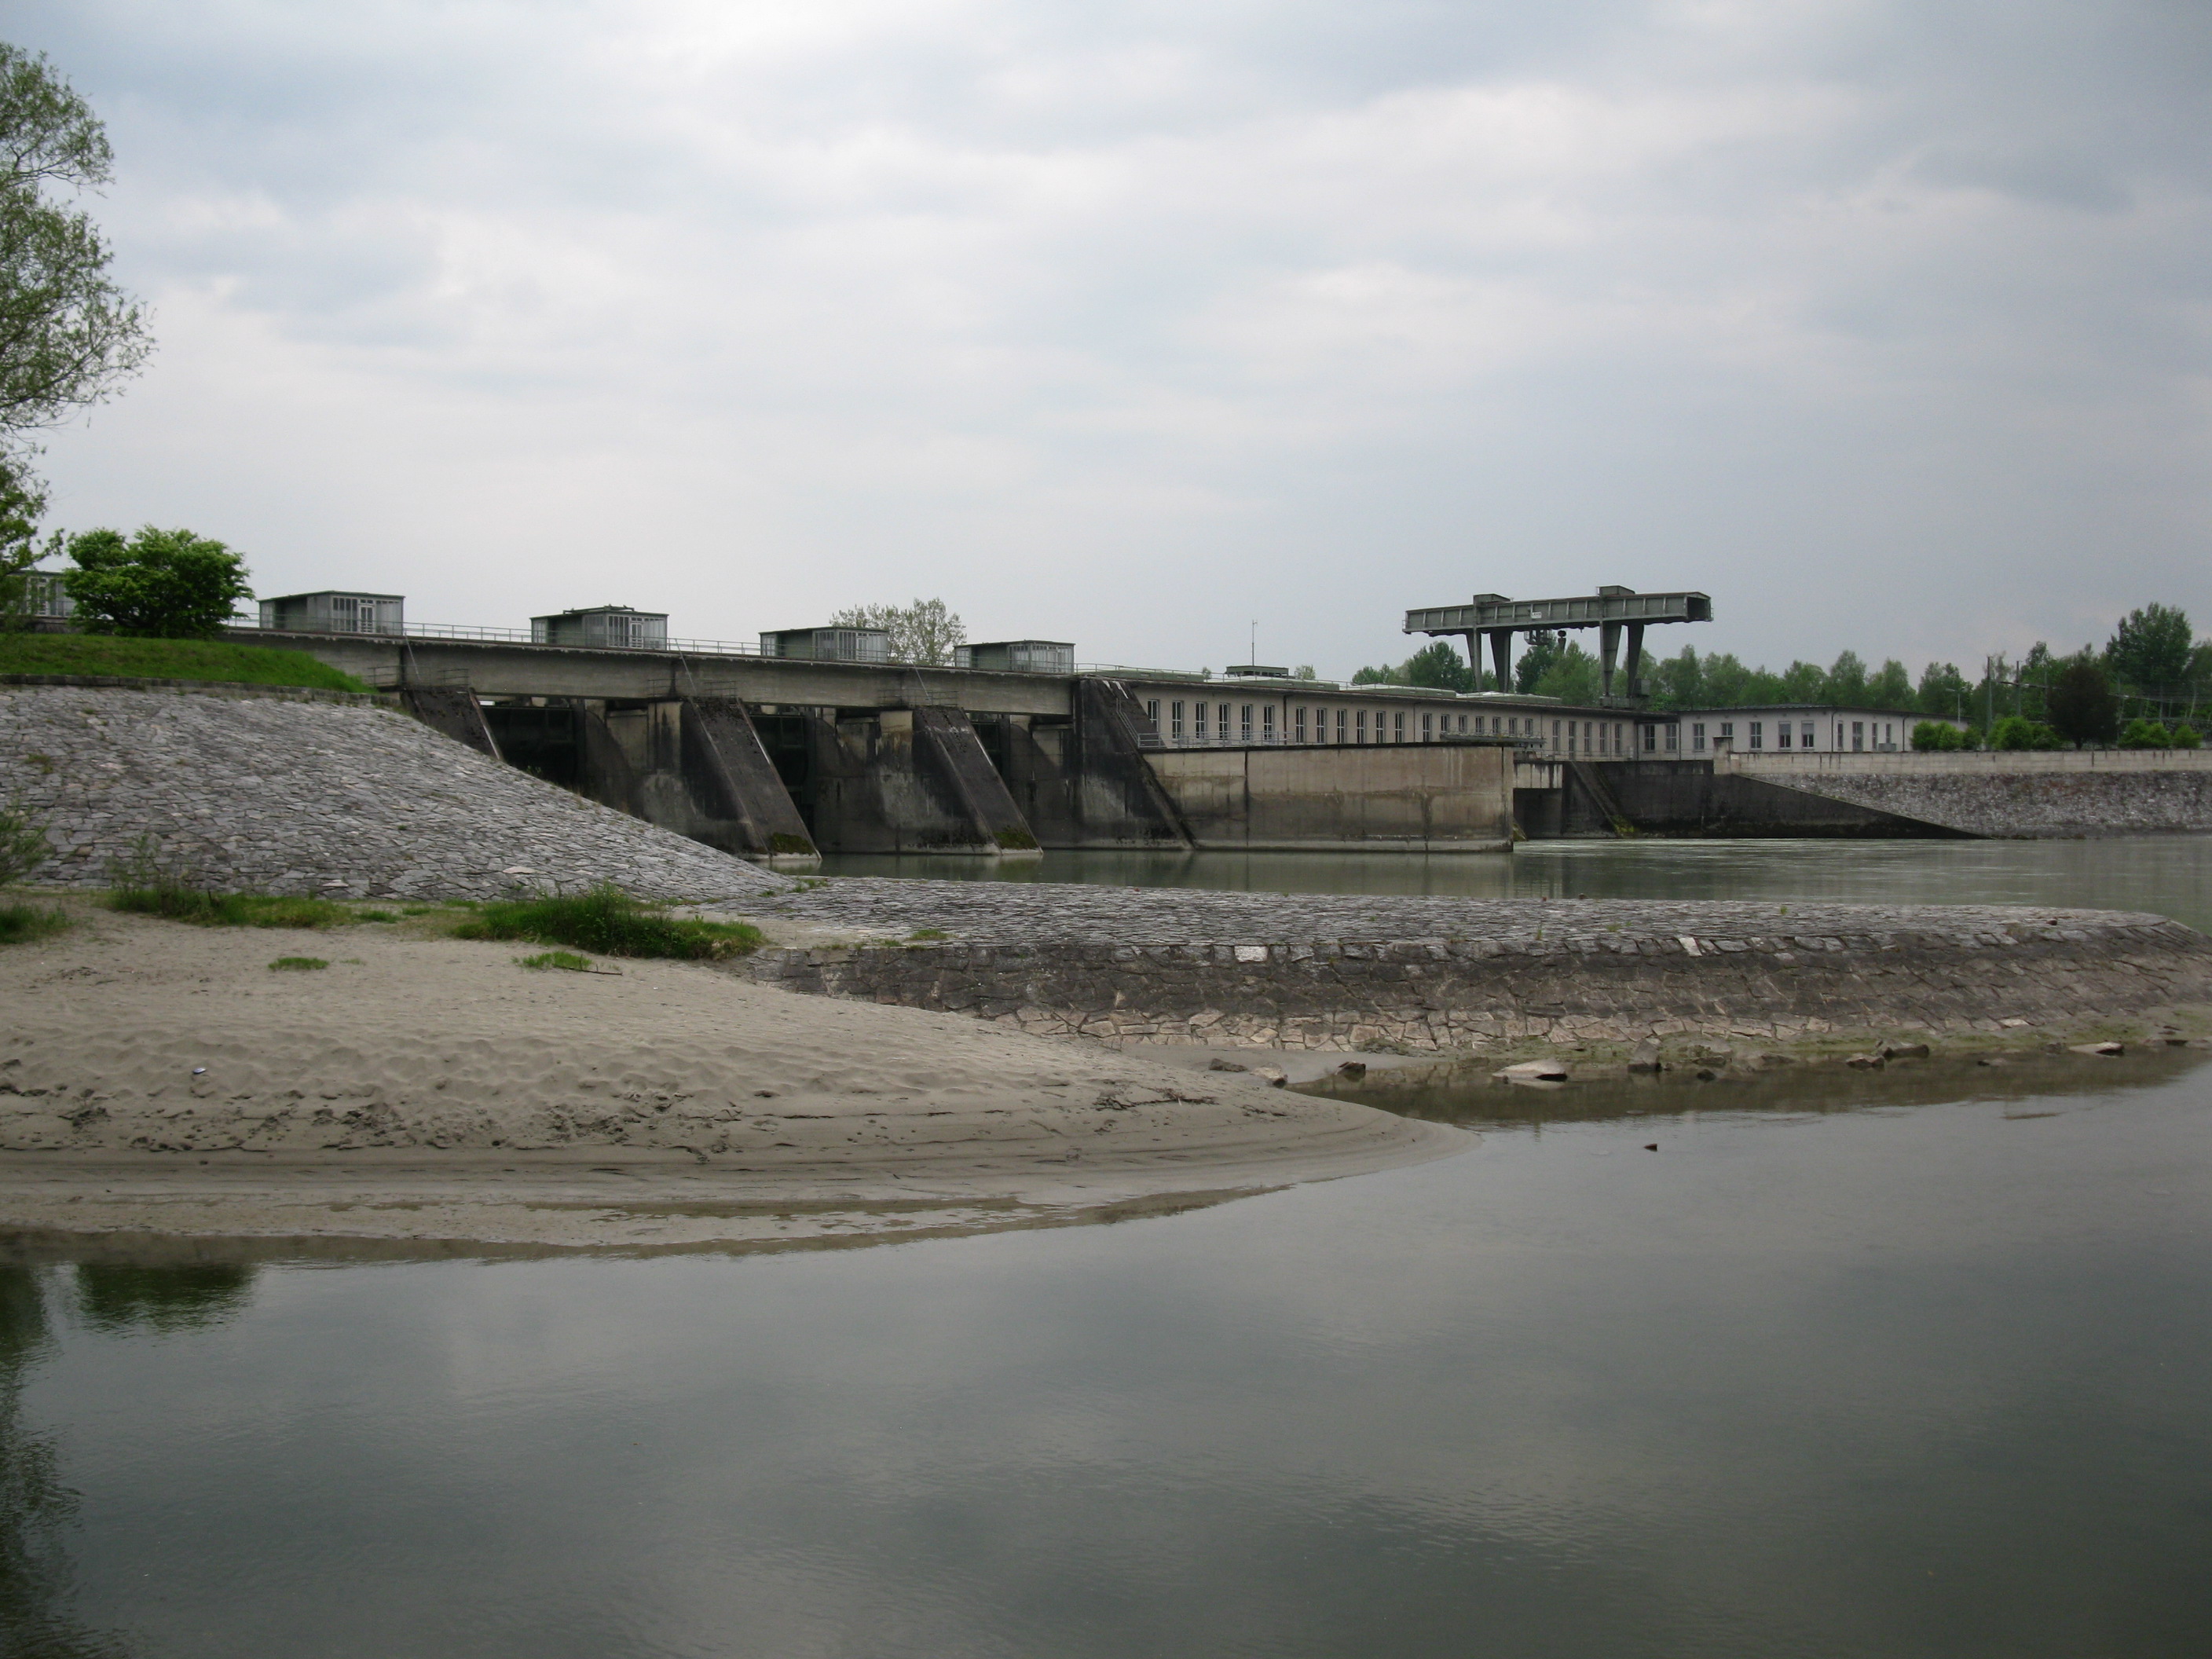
column 1902, row 1364
column 2170, row 874
column 1922, row 1373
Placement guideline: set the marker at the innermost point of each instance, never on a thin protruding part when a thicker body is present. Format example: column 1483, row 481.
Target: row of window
column 1864, row 735
column 1235, row 723
column 1229, row 723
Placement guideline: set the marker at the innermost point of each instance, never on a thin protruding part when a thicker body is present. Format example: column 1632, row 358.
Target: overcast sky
column 1885, row 324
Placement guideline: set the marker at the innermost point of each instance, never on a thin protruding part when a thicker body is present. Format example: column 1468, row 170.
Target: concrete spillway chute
column 1612, row 611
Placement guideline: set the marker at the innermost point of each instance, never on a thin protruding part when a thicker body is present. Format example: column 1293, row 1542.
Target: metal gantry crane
column 1610, row 610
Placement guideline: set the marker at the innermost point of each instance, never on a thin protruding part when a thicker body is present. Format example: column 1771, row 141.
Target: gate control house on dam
column 814, row 740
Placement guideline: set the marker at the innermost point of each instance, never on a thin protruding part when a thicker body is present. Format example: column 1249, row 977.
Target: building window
column 1727, row 732
column 1759, row 735
column 1397, row 728
column 1267, row 722
column 1302, row 725
column 1360, row 726
column 1859, row 736
column 1805, row 736
column 1198, row 731
column 1782, row 734
column 1175, row 720
column 1675, row 737
column 1650, row 739
column 1341, row 716
column 1698, row 736
column 1244, row 726
column 1555, row 736
column 1152, row 714
column 1429, row 728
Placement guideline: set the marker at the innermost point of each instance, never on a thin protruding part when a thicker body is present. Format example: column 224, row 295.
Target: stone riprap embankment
column 298, row 793
column 2031, row 795
column 1314, row 971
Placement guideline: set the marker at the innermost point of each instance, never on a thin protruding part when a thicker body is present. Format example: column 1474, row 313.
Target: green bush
column 609, row 921
column 2185, row 737
column 1937, row 736
column 2145, row 734
column 2015, row 731
column 23, row 844
column 297, row 964
column 21, row 923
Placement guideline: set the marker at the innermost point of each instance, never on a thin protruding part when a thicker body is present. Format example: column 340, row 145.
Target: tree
column 21, row 503
column 1439, row 668
column 923, row 633
column 1679, row 681
column 1892, row 688
column 1543, row 649
column 2080, row 704
column 1803, row 684
column 69, row 337
column 1846, row 686
column 159, row 584
column 1571, row 676
column 2150, row 648
column 1943, row 691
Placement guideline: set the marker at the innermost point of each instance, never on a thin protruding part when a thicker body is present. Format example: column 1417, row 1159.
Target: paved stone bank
column 286, row 791
column 2030, row 795
column 1342, row 973
column 2039, row 807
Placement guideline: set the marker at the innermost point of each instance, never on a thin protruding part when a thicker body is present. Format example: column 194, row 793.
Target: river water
column 1898, row 1365
column 2170, row 874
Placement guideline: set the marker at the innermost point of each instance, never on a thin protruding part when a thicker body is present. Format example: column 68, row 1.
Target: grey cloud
column 1313, row 310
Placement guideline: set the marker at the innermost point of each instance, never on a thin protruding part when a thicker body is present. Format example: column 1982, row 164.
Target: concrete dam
column 781, row 759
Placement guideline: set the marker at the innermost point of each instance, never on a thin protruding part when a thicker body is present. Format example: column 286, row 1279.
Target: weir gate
column 781, row 759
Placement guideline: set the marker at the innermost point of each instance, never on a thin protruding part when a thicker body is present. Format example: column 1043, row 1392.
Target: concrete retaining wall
column 1421, row 798
column 1601, row 985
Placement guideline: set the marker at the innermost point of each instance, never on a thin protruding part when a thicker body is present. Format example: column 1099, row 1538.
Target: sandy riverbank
column 156, row 1078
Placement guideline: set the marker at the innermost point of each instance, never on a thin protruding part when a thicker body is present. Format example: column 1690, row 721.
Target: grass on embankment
column 20, row 924
column 167, row 660
column 605, row 920
column 207, row 909
column 611, row 922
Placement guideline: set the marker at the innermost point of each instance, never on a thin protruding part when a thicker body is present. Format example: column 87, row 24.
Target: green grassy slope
column 167, row 659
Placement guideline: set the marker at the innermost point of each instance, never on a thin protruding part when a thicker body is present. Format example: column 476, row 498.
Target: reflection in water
column 2171, row 875
column 36, row 1510
column 1788, row 1373
column 119, row 1298
column 1469, row 1094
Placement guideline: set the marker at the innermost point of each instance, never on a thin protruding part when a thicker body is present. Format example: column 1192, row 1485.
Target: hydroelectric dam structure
column 813, row 743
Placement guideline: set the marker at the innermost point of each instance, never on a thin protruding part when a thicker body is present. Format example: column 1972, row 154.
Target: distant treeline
column 2156, row 666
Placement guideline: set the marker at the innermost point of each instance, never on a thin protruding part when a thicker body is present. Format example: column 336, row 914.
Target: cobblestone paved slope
column 999, row 911
column 282, row 795
column 1310, row 971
